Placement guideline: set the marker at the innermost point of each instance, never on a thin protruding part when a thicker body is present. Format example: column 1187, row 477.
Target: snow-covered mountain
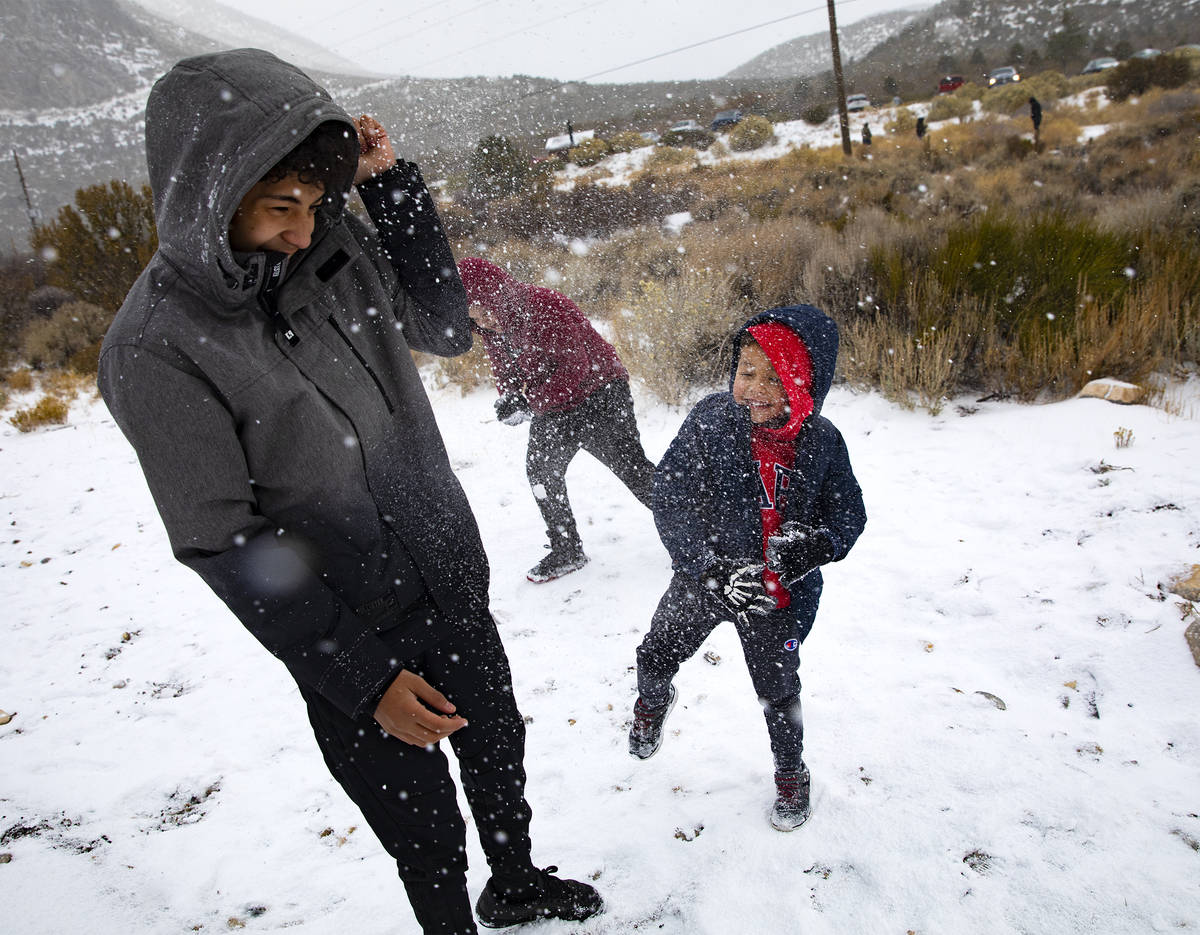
column 232, row 28
column 806, row 55
column 75, row 75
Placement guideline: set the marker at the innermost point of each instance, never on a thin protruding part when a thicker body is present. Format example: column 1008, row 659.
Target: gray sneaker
column 792, row 806
column 645, row 734
column 558, row 563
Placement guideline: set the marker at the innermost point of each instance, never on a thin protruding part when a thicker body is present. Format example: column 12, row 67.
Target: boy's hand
column 513, row 408
column 409, row 711
column 739, row 586
column 797, row 550
column 375, row 153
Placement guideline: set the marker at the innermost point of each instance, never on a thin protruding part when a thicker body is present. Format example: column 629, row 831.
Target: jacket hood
column 490, row 286
column 820, row 336
column 215, row 124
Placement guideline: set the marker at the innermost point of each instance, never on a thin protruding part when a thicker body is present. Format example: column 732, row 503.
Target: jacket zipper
column 367, row 367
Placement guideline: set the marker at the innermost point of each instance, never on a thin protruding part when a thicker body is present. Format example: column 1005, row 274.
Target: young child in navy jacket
column 754, row 494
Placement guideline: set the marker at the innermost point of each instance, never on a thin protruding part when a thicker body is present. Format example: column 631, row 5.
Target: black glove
column 796, row 550
column 738, row 585
column 512, row 408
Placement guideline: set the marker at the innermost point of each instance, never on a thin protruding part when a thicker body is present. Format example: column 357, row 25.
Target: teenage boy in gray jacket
column 260, row 367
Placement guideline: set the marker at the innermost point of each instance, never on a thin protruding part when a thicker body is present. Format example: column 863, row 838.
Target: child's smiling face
column 757, row 386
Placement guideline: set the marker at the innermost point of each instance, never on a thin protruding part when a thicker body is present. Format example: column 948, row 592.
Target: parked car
column 1003, row 75
column 1098, row 65
column 857, row 102
column 1147, row 53
column 950, row 84
column 688, row 133
column 726, row 118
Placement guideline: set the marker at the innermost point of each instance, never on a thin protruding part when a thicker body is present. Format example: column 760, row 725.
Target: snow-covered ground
column 1000, row 705
column 620, row 168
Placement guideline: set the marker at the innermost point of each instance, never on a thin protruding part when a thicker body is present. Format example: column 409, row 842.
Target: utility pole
column 839, row 81
column 30, row 211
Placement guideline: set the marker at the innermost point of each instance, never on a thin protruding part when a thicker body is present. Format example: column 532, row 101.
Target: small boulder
column 1115, row 391
column 1186, row 584
column 1192, row 635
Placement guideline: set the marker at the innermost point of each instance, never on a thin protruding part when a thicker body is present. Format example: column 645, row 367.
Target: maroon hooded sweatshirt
column 545, row 347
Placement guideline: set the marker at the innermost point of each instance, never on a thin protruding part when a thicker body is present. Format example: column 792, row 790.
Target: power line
column 556, row 86
column 341, row 13
column 695, row 45
column 374, row 29
column 495, row 39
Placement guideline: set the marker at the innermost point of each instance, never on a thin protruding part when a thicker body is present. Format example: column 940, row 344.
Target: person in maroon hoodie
column 553, row 367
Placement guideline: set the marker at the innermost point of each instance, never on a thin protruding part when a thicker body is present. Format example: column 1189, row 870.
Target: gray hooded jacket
column 289, row 445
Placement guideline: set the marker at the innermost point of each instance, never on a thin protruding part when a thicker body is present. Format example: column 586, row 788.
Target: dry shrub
column 72, row 329
column 671, row 158
column 20, row 381
column 1132, row 213
column 66, row 384
column 589, row 152
column 674, row 335
column 949, row 107
column 910, row 360
column 467, row 371
column 904, row 124
column 1060, row 131
column 49, row 410
column 626, row 142
column 753, row 132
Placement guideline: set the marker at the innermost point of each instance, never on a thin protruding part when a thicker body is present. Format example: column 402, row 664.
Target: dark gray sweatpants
column 603, row 425
column 685, row 616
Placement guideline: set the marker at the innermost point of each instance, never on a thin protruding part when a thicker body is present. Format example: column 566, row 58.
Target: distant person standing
column 553, row 367
column 866, row 134
column 920, row 128
column 1035, row 114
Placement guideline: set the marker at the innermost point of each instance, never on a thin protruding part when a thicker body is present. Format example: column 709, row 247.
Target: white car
column 1099, row 64
column 857, row 102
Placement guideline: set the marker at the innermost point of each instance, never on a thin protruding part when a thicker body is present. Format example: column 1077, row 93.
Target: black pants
column 603, row 425
column 406, row 793
column 685, row 616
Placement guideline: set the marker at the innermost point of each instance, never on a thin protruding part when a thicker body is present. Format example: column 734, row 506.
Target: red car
column 950, row 83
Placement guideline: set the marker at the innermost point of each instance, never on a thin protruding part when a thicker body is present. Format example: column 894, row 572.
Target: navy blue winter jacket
column 706, row 488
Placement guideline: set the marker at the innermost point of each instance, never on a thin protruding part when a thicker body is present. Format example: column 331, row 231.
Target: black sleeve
column 414, row 244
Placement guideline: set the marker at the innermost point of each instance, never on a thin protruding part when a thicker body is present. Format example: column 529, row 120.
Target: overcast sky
column 602, row 40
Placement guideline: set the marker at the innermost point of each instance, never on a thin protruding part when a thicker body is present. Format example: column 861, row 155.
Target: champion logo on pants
column 790, row 645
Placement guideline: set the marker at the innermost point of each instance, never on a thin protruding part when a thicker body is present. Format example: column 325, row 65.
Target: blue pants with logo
column 685, row 616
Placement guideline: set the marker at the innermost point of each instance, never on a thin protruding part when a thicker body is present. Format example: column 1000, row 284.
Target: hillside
column 77, row 72
column 809, row 55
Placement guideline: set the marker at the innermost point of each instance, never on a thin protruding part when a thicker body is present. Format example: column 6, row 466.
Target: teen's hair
column 322, row 158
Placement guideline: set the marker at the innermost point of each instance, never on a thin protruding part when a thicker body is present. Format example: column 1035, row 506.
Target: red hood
column 792, row 362
column 487, row 284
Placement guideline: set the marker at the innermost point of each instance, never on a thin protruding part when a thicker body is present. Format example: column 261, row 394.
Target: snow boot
column 547, row 897
column 645, row 734
column 563, row 559
column 792, row 806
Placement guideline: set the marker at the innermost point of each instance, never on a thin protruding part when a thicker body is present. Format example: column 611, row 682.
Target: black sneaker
column 792, row 806
column 549, row 898
column 645, row 734
column 558, row 563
